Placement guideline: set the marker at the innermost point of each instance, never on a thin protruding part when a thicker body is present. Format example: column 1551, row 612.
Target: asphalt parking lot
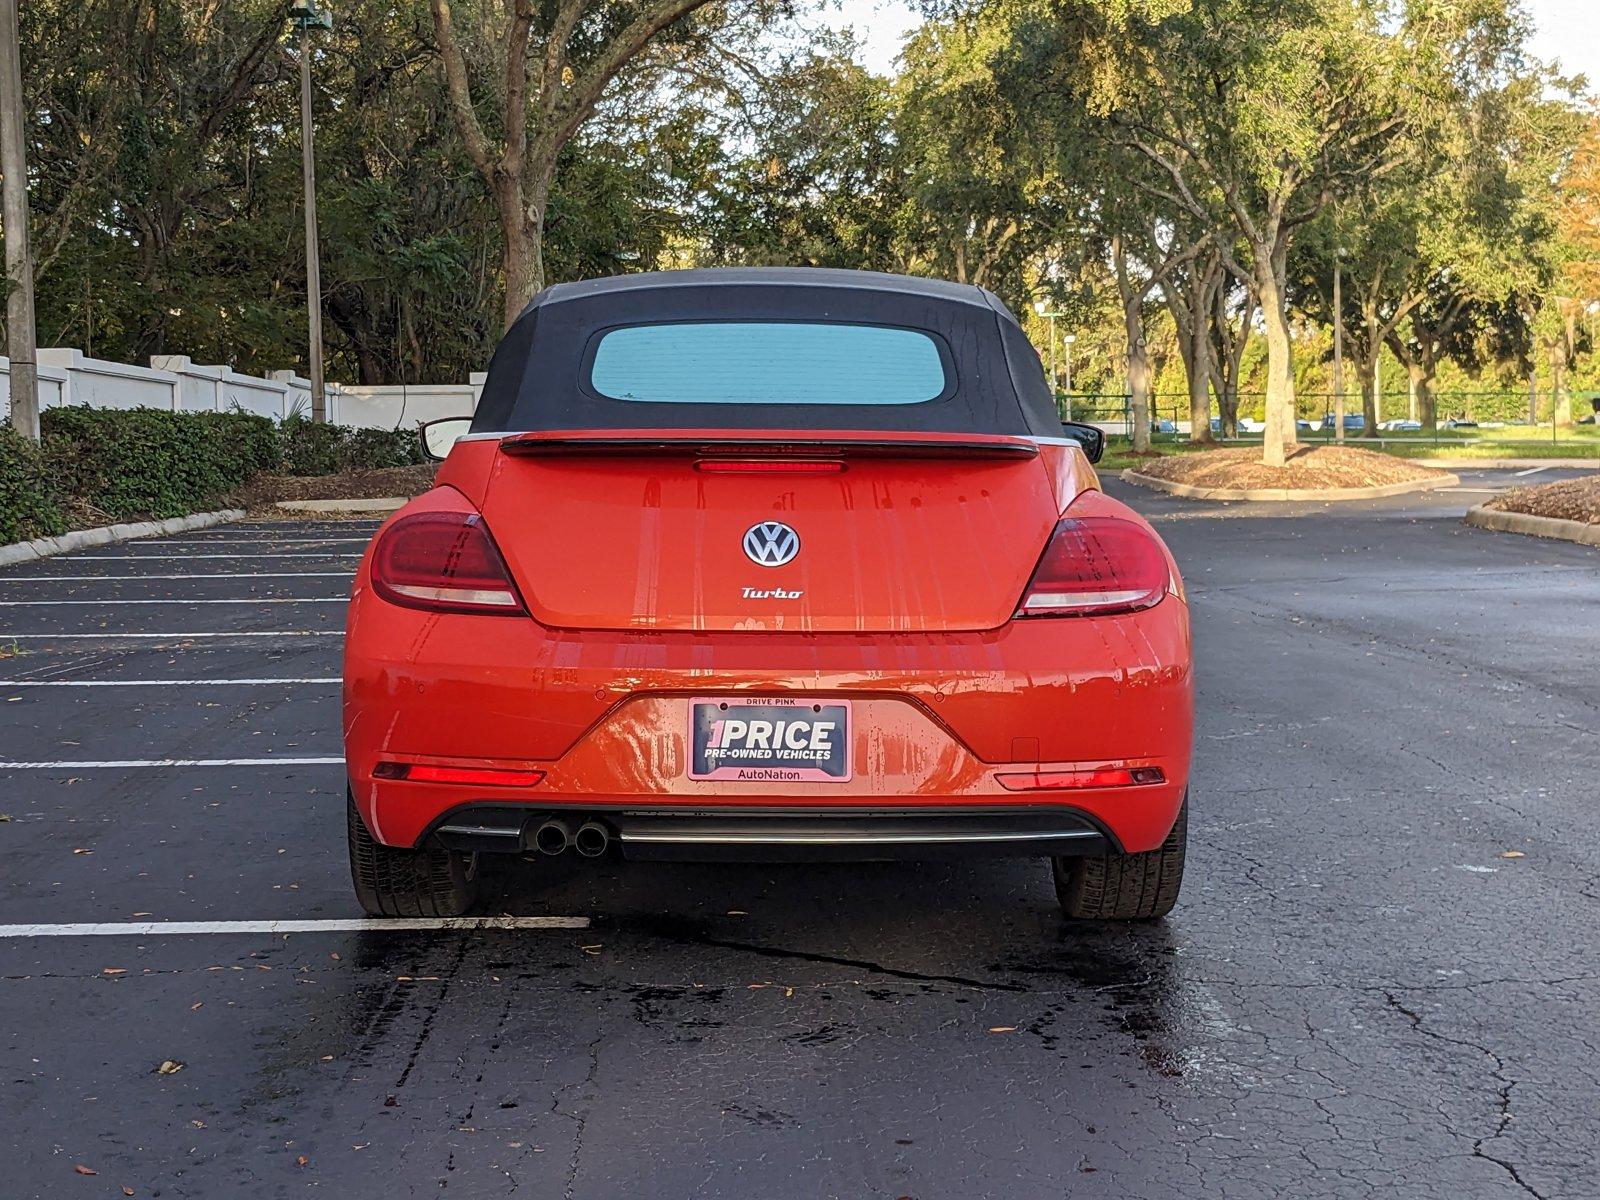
column 1381, row 979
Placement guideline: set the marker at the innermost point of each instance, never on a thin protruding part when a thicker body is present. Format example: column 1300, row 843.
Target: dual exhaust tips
column 557, row 835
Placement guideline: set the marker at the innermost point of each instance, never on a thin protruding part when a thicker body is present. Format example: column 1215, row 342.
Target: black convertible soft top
column 538, row 378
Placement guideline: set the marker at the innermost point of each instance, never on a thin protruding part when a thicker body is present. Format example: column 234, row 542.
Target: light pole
column 306, row 15
column 1338, row 353
column 20, row 333
column 1066, row 342
column 1042, row 307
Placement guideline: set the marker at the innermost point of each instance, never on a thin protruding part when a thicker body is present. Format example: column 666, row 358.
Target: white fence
column 174, row 383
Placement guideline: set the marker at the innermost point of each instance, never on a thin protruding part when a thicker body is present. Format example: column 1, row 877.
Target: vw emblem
column 771, row 544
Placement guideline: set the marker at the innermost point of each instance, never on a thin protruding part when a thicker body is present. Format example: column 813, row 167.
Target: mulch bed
column 262, row 492
column 1307, row 467
column 1568, row 500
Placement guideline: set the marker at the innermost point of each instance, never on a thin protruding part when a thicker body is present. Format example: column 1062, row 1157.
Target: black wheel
column 1125, row 887
column 409, row 883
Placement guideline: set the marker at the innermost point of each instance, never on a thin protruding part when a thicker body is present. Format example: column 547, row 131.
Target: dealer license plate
column 770, row 741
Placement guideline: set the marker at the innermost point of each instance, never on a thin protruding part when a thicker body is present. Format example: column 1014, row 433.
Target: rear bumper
column 604, row 715
column 787, row 835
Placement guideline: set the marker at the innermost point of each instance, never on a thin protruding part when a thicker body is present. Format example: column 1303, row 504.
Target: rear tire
column 1124, row 887
column 392, row 882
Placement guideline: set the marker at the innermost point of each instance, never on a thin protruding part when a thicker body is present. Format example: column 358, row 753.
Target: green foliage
column 310, row 448
column 147, row 463
column 29, row 504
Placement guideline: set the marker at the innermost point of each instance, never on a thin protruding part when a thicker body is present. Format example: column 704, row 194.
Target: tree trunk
column 1199, row 398
column 1195, row 339
column 1420, row 382
column 1279, row 438
column 522, row 213
column 1560, row 398
column 1226, row 353
column 1138, row 376
column 1367, row 372
column 1138, row 356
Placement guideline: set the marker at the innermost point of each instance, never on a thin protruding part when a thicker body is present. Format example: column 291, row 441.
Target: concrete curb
column 383, row 504
column 1506, row 464
column 1191, row 492
column 82, row 539
column 1532, row 526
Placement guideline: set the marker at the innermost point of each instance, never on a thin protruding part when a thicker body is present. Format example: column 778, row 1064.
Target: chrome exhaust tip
column 553, row 837
column 592, row 839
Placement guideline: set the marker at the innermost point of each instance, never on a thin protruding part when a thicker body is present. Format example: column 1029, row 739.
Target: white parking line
column 218, row 575
column 333, row 925
column 11, row 684
column 328, row 541
column 1531, row 471
column 173, row 637
column 119, row 763
column 187, row 557
column 119, row 601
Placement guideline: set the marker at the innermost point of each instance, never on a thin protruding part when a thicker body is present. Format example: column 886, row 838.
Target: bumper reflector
column 487, row 776
column 1101, row 777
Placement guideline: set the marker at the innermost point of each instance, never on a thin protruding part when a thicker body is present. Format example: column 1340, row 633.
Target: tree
column 1448, row 238
column 1254, row 115
column 554, row 63
column 817, row 175
column 983, row 202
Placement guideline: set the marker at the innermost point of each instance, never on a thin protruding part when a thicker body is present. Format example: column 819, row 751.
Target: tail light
column 443, row 562
column 426, row 773
column 1094, row 777
column 1094, row 566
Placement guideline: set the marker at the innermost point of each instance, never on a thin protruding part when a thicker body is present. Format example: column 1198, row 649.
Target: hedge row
column 30, row 506
column 310, row 448
column 147, row 463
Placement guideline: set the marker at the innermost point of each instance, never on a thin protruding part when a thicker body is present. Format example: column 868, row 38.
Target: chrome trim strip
column 846, row 839
column 474, row 830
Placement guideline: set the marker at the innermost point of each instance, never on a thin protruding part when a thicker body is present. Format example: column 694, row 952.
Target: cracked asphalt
column 1381, row 978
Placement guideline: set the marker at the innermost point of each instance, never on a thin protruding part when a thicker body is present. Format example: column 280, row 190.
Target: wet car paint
column 912, row 570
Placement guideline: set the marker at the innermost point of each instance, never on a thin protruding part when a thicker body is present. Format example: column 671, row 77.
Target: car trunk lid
column 682, row 530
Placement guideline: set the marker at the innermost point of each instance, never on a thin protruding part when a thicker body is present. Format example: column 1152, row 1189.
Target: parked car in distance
column 710, row 578
column 1458, row 423
column 1401, row 425
column 1163, row 425
column 1352, row 421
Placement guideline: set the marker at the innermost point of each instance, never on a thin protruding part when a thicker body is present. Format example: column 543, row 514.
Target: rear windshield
column 769, row 363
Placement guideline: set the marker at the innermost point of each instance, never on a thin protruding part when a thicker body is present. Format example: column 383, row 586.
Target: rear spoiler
column 764, row 446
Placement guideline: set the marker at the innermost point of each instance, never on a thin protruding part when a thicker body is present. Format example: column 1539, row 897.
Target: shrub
column 310, row 448
column 30, row 507
column 146, row 462
column 369, row 449
column 140, row 463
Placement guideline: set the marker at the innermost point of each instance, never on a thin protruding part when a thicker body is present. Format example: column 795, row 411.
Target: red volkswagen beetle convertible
column 767, row 564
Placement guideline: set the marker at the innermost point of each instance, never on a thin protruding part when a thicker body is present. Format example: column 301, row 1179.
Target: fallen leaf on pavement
column 1513, row 854
column 169, row 1066
column 1002, row 1029
column 83, row 1170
